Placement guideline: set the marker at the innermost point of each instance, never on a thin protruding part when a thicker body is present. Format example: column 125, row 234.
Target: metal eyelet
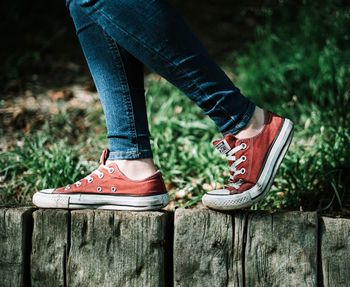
column 113, row 189
column 111, row 170
column 99, row 189
column 243, row 158
column 78, row 184
column 242, row 170
column 100, row 175
column 243, row 145
column 90, row 180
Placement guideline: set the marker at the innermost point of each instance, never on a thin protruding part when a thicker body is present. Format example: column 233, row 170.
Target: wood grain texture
column 203, row 242
column 240, row 220
column 49, row 247
column 15, row 231
column 335, row 251
column 281, row 249
column 111, row 248
column 118, row 248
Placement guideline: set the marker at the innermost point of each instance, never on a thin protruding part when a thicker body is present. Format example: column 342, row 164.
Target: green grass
column 54, row 156
column 38, row 164
column 312, row 176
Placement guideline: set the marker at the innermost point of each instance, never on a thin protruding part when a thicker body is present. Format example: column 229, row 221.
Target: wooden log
column 335, row 251
column 203, row 243
column 281, row 249
column 49, row 247
column 15, row 233
column 111, row 248
column 114, row 248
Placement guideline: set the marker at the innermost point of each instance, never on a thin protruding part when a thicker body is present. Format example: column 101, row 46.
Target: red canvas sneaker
column 253, row 164
column 107, row 188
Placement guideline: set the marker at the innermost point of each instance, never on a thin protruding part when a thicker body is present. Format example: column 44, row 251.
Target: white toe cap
column 49, row 190
column 219, row 192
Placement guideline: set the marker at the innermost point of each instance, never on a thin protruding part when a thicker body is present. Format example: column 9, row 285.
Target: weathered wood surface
column 116, row 248
column 202, row 248
column 335, row 251
column 15, row 229
column 281, row 249
column 50, row 242
column 245, row 249
column 111, row 248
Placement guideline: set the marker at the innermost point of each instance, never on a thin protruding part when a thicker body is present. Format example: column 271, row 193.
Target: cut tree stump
column 335, row 251
column 49, row 247
column 111, row 248
column 15, row 233
column 281, row 249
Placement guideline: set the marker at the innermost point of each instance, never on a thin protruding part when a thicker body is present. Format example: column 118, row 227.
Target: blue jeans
column 118, row 37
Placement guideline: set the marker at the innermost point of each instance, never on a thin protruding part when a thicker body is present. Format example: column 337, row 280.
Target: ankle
column 254, row 126
column 135, row 169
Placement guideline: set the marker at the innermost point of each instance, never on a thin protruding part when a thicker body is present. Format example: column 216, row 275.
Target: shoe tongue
column 104, row 156
column 225, row 144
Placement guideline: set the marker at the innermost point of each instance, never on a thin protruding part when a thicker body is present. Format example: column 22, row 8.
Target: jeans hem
column 245, row 120
column 130, row 154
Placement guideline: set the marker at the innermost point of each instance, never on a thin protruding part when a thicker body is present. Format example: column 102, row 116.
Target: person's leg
column 154, row 33
column 119, row 79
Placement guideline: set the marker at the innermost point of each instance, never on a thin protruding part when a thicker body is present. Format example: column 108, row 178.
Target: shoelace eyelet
column 100, row 175
column 244, row 158
column 90, row 180
column 243, row 145
column 113, row 189
column 99, row 189
column 242, row 170
column 78, row 184
column 111, row 170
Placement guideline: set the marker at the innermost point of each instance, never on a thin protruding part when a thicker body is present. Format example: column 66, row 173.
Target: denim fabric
column 118, row 37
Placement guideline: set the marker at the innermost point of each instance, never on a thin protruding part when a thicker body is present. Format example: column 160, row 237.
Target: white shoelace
column 90, row 179
column 234, row 170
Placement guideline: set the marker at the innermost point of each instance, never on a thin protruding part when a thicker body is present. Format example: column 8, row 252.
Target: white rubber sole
column 91, row 201
column 225, row 201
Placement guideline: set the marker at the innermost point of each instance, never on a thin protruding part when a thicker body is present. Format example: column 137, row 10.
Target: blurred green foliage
column 302, row 56
column 299, row 66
